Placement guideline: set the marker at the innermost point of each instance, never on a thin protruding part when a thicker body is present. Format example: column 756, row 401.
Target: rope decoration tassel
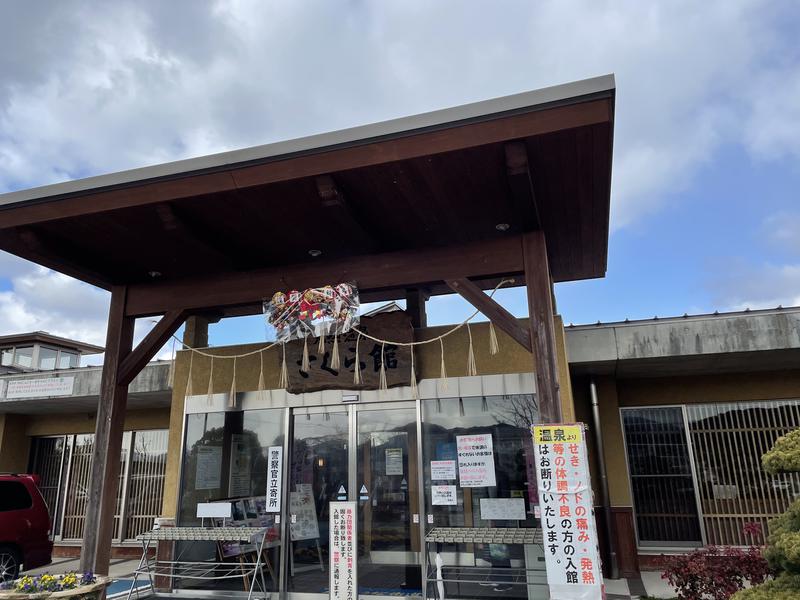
column 189, row 391
column 210, row 392
column 335, row 362
column 305, row 366
column 261, row 385
column 357, row 372
column 283, row 380
column 494, row 347
column 413, row 383
column 382, row 384
column 472, row 369
column 232, row 397
column 443, row 371
column 321, row 345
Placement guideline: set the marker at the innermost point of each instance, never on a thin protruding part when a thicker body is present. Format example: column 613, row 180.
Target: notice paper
column 503, row 509
column 475, row 460
column 394, row 461
column 443, row 470
column 444, row 495
column 209, row 468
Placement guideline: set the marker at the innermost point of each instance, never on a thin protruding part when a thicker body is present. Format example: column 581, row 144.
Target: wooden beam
column 152, row 343
column 496, row 313
column 540, row 309
column 104, row 480
column 520, row 182
column 33, row 245
column 415, row 307
column 318, row 161
column 336, row 203
column 206, row 242
column 412, row 268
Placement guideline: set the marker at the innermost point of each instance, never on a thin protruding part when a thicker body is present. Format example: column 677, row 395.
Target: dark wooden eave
column 410, row 187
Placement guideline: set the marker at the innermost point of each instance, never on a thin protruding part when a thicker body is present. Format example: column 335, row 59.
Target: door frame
column 352, row 409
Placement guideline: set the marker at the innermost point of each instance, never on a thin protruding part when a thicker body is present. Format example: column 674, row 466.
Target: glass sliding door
column 367, row 454
column 318, row 473
column 388, row 501
column 660, row 466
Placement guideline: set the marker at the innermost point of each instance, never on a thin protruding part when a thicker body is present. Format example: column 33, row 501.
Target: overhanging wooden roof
column 540, row 159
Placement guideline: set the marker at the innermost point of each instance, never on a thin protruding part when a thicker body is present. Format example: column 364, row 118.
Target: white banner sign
column 567, row 512
column 443, row 470
column 444, row 495
column 343, row 572
column 475, row 460
column 274, row 474
column 38, row 388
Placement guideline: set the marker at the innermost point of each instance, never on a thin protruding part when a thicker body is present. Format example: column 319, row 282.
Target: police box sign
column 274, row 474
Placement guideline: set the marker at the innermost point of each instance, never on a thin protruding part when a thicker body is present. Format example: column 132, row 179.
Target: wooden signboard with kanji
column 395, row 326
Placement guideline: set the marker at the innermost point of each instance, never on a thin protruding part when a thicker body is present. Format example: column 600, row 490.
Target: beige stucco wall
column 512, row 358
column 660, row 391
column 14, row 445
column 58, row 424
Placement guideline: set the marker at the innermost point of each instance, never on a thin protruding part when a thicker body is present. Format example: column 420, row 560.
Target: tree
column 783, row 542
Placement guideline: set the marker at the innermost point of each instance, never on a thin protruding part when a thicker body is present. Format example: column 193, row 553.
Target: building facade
column 48, row 407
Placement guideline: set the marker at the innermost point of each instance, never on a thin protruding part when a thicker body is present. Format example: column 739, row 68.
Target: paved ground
column 122, row 569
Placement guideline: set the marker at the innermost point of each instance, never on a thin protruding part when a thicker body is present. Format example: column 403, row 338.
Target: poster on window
column 394, row 461
column 303, row 510
column 274, row 474
column 209, row 468
column 567, row 511
column 443, row 470
column 343, row 563
column 444, row 495
column 475, row 460
column 239, row 482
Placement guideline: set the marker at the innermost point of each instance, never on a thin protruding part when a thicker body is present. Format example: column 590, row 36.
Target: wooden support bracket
column 132, row 365
column 496, row 313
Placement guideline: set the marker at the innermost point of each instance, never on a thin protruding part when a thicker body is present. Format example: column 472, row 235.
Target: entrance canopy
column 475, row 176
column 453, row 200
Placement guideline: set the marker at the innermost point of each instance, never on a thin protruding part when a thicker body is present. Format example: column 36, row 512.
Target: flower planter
column 89, row 591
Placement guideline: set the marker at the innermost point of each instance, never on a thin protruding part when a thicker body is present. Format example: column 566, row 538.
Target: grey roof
column 719, row 342
column 439, row 119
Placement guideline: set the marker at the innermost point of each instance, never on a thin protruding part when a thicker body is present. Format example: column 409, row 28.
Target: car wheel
column 9, row 563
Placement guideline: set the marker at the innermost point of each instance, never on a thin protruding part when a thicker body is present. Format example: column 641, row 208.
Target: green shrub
column 784, row 457
column 784, row 587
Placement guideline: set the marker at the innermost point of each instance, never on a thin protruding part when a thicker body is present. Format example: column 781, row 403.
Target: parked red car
column 24, row 526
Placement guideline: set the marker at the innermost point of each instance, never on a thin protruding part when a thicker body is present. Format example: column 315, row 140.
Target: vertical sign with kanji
column 343, row 577
column 567, row 513
column 274, row 474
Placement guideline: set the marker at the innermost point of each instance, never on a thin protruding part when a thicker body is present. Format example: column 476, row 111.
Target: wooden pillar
column 415, row 307
column 540, row 310
column 195, row 333
column 102, row 496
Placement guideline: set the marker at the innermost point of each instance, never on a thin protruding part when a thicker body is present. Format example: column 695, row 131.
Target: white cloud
column 783, row 230
column 758, row 286
column 88, row 87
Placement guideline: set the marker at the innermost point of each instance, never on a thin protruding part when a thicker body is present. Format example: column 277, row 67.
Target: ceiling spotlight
column 315, row 253
column 154, row 274
column 502, row 226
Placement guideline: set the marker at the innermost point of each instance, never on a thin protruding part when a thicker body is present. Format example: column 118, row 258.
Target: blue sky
column 705, row 207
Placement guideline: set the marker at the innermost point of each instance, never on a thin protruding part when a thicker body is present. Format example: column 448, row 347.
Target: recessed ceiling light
column 502, row 226
column 315, row 253
column 154, row 274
